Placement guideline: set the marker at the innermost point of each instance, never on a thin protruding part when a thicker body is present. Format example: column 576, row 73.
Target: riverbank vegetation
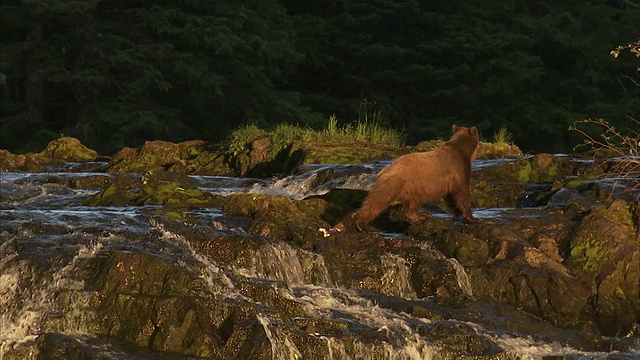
column 116, row 74
column 367, row 130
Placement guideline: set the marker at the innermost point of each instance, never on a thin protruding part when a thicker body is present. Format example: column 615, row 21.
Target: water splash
column 461, row 275
column 396, row 334
column 396, row 278
column 55, row 304
column 323, row 179
column 213, row 275
column 282, row 348
column 280, row 261
column 413, row 350
column 277, row 261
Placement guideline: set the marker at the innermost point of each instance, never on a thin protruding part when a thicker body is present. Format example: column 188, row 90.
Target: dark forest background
column 117, row 73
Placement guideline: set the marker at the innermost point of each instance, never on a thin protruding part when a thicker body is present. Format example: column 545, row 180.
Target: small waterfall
column 322, row 180
column 462, row 277
column 282, row 348
column 55, row 304
column 396, row 278
column 317, row 272
column 211, row 273
column 401, row 340
column 280, row 261
column 413, row 350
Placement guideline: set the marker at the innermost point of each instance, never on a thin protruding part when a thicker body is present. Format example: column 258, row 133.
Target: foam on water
column 344, row 305
column 396, row 276
column 281, row 346
column 280, row 261
column 28, row 312
column 461, row 276
column 214, row 276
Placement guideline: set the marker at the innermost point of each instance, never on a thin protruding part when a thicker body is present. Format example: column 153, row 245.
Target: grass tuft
column 503, row 136
column 368, row 128
column 243, row 135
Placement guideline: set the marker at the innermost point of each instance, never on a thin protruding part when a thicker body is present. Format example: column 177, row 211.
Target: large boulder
column 193, row 156
column 59, row 151
column 604, row 252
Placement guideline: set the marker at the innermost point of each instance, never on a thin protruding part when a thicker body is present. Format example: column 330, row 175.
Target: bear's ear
column 456, row 128
column 473, row 131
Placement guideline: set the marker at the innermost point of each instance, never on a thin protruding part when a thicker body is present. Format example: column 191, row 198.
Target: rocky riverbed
column 180, row 251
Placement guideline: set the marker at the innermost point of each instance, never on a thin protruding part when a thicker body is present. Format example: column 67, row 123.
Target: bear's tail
column 375, row 202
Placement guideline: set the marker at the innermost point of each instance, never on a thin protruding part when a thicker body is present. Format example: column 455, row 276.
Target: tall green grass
column 368, row 129
column 503, row 136
column 243, row 135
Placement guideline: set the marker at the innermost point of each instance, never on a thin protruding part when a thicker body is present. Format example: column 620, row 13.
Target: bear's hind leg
column 451, row 205
column 372, row 206
column 462, row 201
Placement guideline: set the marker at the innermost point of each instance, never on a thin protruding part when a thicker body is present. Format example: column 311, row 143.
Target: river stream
column 44, row 226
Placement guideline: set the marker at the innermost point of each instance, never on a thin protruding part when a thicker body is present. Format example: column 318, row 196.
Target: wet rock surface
column 158, row 260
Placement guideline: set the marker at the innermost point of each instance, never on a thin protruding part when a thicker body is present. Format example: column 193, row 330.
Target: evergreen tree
column 120, row 73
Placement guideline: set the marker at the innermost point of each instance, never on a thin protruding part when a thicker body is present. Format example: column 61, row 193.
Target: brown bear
column 418, row 178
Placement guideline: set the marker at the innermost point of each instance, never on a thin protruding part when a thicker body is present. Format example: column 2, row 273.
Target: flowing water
column 47, row 234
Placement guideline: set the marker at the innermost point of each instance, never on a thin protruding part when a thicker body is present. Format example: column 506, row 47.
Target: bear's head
column 465, row 140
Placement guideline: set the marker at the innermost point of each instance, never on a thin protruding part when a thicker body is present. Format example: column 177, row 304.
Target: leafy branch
column 633, row 47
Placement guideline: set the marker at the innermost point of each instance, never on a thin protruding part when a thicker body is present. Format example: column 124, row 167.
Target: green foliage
column 503, row 136
column 285, row 134
column 363, row 130
column 117, row 74
column 535, row 67
column 244, row 135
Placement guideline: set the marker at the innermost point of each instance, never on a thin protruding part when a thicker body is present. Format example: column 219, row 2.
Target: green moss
column 67, row 149
column 602, row 231
column 572, row 184
column 553, row 171
column 115, row 194
column 496, row 150
column 524, row 173
column 590, row 253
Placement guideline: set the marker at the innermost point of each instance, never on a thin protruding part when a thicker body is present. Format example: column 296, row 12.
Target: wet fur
column 418, row 178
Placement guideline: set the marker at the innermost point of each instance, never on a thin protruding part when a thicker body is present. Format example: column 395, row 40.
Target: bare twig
column 622, row 146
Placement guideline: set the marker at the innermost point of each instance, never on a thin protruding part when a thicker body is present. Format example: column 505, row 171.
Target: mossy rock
column 121, row 192
column 195, row 156
column 59, row 151
column 340, row 203
column 330, row 152
column 280, row 217
column 67, row 149
column 433, row 276
column 488, row 150
column 541, row 168
column 485, row 150
column 427, row 145
column 152, row 156
column 175, row 191
column 599, row 233
column 491, row 194
column 153, row 302
column 24, row 162
column 604, row 251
